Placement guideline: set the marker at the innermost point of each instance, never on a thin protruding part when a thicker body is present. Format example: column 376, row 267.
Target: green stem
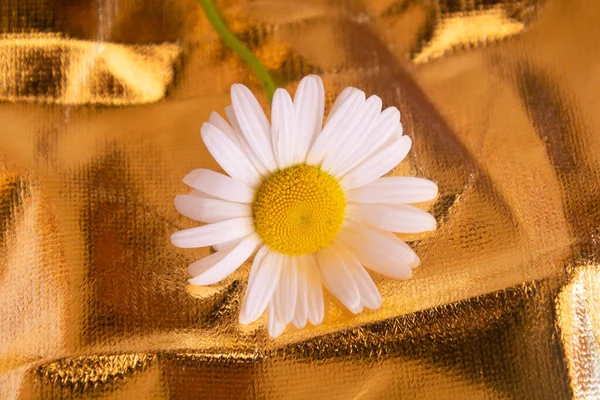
column 234, row 44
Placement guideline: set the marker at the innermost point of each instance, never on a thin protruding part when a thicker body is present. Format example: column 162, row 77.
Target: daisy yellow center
column 299, row 210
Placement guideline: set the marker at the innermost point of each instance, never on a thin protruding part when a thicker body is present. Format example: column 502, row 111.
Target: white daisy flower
column 308, row 199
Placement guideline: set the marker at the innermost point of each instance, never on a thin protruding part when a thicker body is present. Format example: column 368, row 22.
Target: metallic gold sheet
column 101, row 104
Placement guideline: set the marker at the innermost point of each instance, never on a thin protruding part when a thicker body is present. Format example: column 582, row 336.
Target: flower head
column 307, row 200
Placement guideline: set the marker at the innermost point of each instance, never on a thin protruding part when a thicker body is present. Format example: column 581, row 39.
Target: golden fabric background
column 101, row 102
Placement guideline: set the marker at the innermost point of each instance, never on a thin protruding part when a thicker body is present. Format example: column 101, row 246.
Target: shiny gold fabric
column 101, row 104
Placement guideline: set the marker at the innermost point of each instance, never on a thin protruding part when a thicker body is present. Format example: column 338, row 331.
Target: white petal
column 244, row 146
column 341, row 99
column 218, row 121
column 219, row 185
column 209, row 235
column 210, row 210
column 202, row 265
column 378, row 165
column 229, row 156
column 399, row 130
column 283, row 119
column 331, row 133
column 380, row 251
column 397, row 218
column 274, row 326
column 337, row 277
column 197, row 193
column 394, row 190
column 320, row 110
column 300, row 314
column 284, row 297
column 308, row 103
column 356, row 131
column 369, row 294
column 314, row 290
column 226, row 246
column 358, row 309
column 207, row 274
column 386, row 128
column 260, row 287
column 260, row 254
column 254, row 124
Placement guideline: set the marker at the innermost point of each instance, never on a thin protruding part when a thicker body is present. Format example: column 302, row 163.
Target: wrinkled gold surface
column 42, row 67
column 101, row 105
